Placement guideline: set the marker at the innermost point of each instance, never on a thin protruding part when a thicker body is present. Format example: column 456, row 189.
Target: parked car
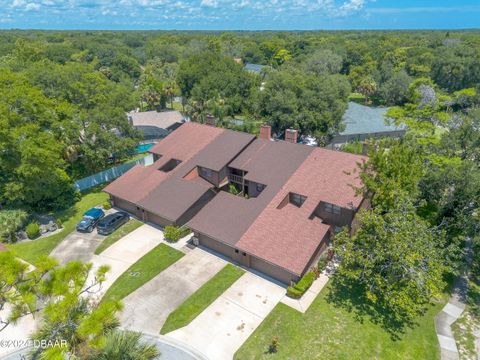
column 112, row 222
column 90, row 219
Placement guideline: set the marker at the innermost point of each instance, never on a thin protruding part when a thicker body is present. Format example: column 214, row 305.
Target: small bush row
column 296, row 291
column 32, row 230
column 322, row 262
column 10, row 222
column 175, row 233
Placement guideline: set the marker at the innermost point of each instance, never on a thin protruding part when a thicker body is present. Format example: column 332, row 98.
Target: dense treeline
column 63, row 95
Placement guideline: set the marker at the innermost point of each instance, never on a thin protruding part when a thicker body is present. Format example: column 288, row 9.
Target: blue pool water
column 142, row 148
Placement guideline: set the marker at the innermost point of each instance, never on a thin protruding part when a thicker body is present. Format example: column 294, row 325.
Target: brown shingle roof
column 186, row 141
column 169, row 194
column 173, row 197
column 223, row 149
column 183, row 144
column 288, row 236
column 227, row 217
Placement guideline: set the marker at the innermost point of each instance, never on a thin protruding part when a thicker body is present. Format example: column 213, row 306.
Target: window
column 236, row 251
column 333, row 209
column 244, row 254
column 297, row 199
column 206, row 172
column 260, row 187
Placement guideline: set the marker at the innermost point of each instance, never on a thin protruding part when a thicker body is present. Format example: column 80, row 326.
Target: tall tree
column 312, row 104
column 397, row 261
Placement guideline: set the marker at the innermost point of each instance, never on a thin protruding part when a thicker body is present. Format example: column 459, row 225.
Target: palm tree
column 170, row 89
column 126, row 345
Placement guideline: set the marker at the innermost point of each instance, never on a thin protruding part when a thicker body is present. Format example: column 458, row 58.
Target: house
column 291, row 197
column 155, row 125
column 3, row 247
column 365, row 122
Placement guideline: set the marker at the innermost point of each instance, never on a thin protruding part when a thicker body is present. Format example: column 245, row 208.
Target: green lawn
column 30, row 251
column 201, row 298
column 145, row 269
column 326, row 331
column 118, row 234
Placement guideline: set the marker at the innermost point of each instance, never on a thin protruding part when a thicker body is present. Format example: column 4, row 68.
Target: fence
column 110, row 174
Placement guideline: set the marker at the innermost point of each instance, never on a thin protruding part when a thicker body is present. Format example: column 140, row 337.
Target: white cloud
column 352, row 5
column 209, row 3
column 32, row 6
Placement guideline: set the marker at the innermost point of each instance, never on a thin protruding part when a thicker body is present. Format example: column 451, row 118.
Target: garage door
column 127, row 206
column 157, row 219
column 272, row 270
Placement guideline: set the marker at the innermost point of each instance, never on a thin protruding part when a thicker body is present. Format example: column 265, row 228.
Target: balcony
column 235, row 178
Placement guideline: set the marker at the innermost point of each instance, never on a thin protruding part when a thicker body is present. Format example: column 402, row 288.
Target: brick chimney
column 210, row 120
column 291, row 135
column 265, row 132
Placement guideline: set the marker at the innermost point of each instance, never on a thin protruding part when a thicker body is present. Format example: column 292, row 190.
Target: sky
column 239, row 14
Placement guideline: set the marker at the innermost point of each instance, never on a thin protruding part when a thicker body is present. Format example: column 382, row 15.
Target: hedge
column 302, row 286
column 322, row 262
column 175, row 233
column 32, row 230
column 294, row 293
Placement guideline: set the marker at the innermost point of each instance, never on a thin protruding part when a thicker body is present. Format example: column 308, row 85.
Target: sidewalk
column 453, row 310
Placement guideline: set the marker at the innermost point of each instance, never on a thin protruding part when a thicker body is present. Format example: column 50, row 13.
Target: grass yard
column 31, row 251
column 202, row 298
column 145, row 269
column 111, row 239
column 329, row 332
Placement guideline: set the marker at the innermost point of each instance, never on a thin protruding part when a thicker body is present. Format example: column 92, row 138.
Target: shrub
column 175, row 233
column 232, row 189
column 107, row 205
column 322, row 262
column 294, row 293
column 32, row 230
column 59, row 223
column 305, row 282
column 10, row 222
column 273, row 347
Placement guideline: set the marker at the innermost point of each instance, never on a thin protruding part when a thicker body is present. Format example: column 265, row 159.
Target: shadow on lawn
column 351, row 297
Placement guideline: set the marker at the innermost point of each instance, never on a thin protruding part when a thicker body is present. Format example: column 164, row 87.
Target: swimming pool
column 142, row 148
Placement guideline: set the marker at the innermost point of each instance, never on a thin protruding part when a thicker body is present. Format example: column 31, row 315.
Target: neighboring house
column 298, row 196
column 3, row 247
column 156, row 125
column 364, row 122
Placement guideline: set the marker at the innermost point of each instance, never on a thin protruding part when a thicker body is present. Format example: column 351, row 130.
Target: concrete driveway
column 124, row 253
column 19, row 332
column 77, row 246
column 220, row 330
column 147, row 308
